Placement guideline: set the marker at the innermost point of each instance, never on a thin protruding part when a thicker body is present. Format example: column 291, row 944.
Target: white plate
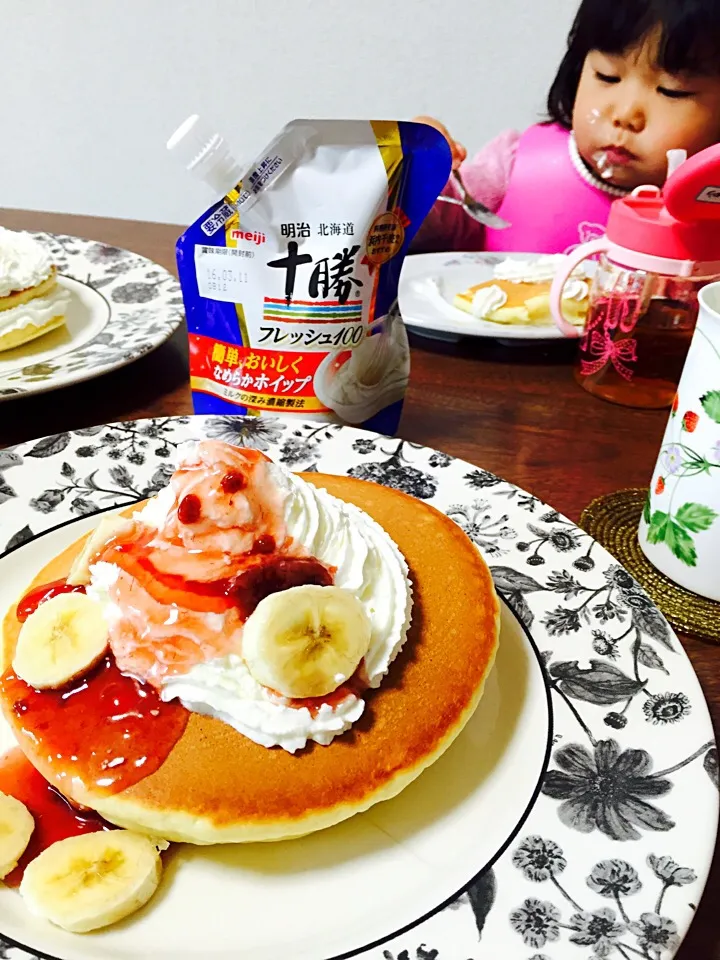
column 430, row 281
column 122, row 306
column 487, row 843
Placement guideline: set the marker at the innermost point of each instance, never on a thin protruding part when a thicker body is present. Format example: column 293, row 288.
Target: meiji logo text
column 709, row 195
column 256, row 238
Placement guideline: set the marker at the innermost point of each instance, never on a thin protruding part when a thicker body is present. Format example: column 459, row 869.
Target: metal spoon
column 473, row 208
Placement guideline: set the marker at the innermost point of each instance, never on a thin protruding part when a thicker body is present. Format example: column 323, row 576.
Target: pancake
column 32, row 303
column 217, row 786
column 525, row 304
column 31, row 331
column 19, row 297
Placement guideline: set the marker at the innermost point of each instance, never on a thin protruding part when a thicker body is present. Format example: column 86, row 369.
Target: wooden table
column 513, row 410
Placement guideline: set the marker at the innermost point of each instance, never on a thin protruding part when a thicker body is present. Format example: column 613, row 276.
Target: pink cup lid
column 680, row 223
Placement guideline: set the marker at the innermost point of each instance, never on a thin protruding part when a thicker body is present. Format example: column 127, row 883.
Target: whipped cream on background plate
column 366, row 562
column 24, row 262
column 487, row 300
column 576, row 289
column 36, row 312
column 542, row 270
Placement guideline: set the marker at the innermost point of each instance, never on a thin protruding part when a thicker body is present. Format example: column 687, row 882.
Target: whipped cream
column 487, row 300
column 372, row 378
column 225, row 689
column 542, row 270
column 35, row 313
column 576, row 289
column 366, row 562
column 24, row 262
column 102, row 577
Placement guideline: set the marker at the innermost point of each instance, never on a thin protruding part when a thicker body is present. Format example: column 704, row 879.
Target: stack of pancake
column 32, row 303
column 218, row 786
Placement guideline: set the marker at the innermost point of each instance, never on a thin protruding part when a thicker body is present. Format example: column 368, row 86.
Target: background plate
column 430, row 281
column 122, row 307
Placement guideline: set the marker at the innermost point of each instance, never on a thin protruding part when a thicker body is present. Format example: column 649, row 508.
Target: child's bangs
column 688, row 31
column 612, row 27
column 691, row 42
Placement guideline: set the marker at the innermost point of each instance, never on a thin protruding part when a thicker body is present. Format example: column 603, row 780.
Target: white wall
column 91, row 89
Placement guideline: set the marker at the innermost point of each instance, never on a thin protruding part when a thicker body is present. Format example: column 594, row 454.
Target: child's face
column 632, row 111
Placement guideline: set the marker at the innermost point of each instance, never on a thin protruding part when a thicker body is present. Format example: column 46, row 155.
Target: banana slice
column 306, row 641
column 58, row 642
column 108, row 528
column 16, row 827
column 92, row 880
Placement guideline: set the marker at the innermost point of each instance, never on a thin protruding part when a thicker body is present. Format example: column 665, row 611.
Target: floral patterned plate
column 122, row 306
column 574, row 818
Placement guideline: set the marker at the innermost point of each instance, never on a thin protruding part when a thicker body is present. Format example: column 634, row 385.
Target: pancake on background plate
column 307, row 646
column 519, row 293
column 32, row 303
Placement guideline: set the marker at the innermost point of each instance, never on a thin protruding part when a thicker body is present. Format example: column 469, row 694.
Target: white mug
column 680, row 527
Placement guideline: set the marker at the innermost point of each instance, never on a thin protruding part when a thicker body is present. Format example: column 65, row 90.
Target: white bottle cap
column 205, row 154
column 675, row 159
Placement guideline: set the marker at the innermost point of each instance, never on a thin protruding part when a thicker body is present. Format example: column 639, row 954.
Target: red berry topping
column 264, row 544
column 233, row 481
column 189, row 509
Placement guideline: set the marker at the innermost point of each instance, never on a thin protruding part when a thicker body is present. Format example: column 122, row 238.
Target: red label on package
column 254, row 377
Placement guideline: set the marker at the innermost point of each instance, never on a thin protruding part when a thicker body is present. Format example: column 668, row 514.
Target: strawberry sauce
column 55, row 817
column 31, row 601
column 354, row 686
column 264, row 573
column 106, row 729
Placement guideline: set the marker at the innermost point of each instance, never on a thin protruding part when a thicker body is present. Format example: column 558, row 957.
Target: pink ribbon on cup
column 605, row 349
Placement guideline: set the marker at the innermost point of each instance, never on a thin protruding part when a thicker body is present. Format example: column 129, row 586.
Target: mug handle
column 580, row 253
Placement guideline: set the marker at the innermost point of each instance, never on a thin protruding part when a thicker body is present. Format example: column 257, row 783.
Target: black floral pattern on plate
column 397, row 471
column 256, row 432
column 604, row 929
column 487, row 531
column 607, row 790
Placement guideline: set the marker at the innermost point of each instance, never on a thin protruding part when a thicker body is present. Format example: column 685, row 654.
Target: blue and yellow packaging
column 290, row 281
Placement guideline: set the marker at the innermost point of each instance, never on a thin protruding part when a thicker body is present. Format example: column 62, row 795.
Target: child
column 640, row 77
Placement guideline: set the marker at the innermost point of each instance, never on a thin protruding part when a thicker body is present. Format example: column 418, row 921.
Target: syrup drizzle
column 265, row 572
column 32, row 600
column 106, row 729
column 55, row 817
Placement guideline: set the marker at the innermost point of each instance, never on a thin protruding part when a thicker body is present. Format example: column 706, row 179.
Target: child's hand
column 459, row 153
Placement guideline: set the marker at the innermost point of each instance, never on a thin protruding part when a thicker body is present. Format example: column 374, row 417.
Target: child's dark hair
column 689, row 40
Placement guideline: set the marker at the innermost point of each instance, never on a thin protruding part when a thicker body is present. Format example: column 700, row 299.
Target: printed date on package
column 221, row 272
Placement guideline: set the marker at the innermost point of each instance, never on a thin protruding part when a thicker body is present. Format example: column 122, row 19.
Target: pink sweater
column 535, row 180
column 486, row 176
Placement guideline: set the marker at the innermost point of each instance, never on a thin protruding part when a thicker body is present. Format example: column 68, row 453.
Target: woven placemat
column 613, row 521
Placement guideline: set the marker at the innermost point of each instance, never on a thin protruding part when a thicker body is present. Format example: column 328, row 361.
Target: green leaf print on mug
column 695, row 517
column 711, row 404
column 675, row 531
